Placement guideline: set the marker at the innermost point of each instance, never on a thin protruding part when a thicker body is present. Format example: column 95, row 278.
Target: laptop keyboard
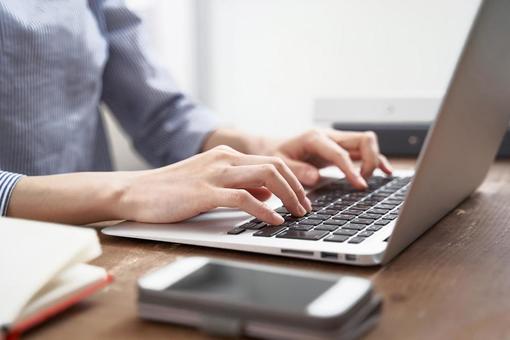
column 339, row 213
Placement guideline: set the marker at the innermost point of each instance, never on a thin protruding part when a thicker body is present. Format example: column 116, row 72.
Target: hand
column 307, row 153
column 220, row 177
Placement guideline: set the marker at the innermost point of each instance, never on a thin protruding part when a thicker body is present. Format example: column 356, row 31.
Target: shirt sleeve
column 8, row 181
column 164, row 124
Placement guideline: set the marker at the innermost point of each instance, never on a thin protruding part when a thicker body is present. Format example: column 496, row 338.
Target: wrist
column 79, row 198
column 121, row 197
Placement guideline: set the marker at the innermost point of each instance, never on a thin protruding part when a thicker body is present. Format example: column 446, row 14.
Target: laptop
column 373, row 226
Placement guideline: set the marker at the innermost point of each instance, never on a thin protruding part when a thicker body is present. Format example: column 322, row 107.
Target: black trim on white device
column 406, row 140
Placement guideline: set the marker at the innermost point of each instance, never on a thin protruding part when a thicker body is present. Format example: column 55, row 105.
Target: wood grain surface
column 452, row 283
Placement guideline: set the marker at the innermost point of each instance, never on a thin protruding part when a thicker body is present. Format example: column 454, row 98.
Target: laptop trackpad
column 224, row 214
column 215, row 221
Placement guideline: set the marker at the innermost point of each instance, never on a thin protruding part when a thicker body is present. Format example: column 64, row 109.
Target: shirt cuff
column 8, row 181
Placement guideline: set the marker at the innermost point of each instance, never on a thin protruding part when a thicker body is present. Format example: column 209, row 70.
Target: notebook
column 43, row 271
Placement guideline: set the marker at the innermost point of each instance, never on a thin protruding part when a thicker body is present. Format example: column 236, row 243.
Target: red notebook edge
column 47, row 313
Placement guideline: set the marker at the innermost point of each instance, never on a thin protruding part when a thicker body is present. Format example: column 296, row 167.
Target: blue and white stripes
column 59, row 60
column 7, row 182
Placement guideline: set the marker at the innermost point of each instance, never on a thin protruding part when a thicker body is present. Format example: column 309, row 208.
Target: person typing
column 62, row 61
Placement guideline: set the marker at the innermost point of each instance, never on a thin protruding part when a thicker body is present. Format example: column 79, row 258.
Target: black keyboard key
column 343, row 221
column 374, row 227
column 299, row 226
column 375, row 180
column 340, row 205
column 329, row 212
column 371, row 216
column 320, row 216
column 336, row 238
column 291, row 219
column 248, row 225
column 363, row 221
column 391, row 216
column 310, row 221
column 378, row 211
column 342, row 216
column 356, row 240
column 354, row 226
column 371, row 202
column 312, row 235
column 236, row 231
column 257, row 226
column 378, row 197
column 354, row 211
column 345, row 232
column 366, row 233
column 385, row 191
column 335, row 222
column 327, row 227
column 363, row 205
column 269, row 231
column 385, row 205
column 359, row 195
column 282, row 210
column 382, row 221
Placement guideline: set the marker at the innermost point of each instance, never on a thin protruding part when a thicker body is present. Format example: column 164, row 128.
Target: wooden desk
column 452, row 283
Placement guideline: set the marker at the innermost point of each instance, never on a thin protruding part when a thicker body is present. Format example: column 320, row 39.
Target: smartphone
column 229, row 298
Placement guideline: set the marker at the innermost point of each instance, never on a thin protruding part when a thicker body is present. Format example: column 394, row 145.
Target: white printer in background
column 389, row 109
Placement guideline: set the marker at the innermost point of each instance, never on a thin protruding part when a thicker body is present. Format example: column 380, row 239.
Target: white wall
column 261, row 63
column 270, row 59
column 170, row 24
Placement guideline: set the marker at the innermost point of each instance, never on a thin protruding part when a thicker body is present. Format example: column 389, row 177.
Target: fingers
column 265, row 175
column 369, row 149
column 326, row 148
column 363, row 145
column 283, row 170
column 385, row 165
column 306, row 173
column 242, row 199
column 241, row 171
column 262, row 194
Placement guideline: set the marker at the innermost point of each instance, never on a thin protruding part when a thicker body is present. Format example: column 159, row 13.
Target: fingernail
column 362, row 181
column 308, row 204
column 302, row 210
column 278, row 217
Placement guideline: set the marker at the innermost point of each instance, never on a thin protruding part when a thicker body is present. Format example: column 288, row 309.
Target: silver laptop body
column 455, row 159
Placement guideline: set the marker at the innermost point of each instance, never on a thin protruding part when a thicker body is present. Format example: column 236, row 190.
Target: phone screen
column 277, row 291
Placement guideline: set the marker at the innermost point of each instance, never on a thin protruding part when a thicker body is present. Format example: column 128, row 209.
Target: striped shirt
column 59, row 60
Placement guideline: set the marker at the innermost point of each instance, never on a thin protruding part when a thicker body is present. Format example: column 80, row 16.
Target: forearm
column 78, row 198
column 240, row 141
column 164, row 195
